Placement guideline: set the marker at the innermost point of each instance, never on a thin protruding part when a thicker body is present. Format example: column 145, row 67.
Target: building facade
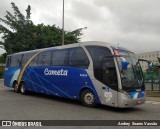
column 150, row 56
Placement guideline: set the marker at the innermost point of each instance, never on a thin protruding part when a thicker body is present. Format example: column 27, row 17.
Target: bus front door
column 110, row 83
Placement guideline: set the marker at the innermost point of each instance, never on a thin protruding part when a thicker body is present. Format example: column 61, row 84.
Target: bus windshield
column 132, row 77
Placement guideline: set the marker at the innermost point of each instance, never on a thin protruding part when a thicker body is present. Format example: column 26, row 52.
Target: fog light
column 126, row 104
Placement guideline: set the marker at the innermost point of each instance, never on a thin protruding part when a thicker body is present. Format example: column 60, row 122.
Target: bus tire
column 88, row 98
column 23, row 88
column 16, row 87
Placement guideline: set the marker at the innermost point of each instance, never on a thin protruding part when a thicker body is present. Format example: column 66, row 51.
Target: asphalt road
column 14, row 106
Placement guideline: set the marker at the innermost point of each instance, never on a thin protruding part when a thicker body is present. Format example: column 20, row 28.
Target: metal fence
column 152, row 81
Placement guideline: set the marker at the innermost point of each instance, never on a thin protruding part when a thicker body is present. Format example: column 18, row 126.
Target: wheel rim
column 16, row 87
column 89, row 98
column 22, row 88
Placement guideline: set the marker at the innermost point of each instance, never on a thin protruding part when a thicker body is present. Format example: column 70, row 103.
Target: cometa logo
column 56, row 72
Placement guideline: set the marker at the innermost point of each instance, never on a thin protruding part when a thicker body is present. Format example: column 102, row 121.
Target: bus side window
column 24, row 59
column 44, row 58
column 78, row 58
column 19, row 60
column 104, row 67
column 8, row 62
column 13, row 61
column 34, row 61
column 97, row 53
column 60, row 57
column 109, row 73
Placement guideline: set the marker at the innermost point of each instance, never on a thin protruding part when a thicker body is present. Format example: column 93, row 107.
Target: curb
column 152, row 102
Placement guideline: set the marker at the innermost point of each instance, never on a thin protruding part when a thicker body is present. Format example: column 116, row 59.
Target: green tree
column 21, row 34
column 2, row 59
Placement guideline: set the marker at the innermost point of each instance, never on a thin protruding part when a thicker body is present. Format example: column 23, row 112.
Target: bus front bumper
column 125, row 101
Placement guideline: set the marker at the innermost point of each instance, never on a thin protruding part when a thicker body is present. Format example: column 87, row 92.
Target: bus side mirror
column 124, row 65
column 150, row 66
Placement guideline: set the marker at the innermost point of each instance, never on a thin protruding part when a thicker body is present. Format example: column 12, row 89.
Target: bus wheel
column 23, row 88
column 16, row 87
column 88, row 98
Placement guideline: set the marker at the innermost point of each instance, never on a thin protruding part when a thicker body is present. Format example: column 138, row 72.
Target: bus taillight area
column 131, row 99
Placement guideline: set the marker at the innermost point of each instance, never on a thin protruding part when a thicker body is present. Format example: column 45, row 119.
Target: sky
column 133, row 24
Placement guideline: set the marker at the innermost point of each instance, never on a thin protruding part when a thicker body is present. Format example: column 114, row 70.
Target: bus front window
column 132, row 77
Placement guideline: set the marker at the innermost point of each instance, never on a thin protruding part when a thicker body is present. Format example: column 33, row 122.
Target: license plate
column 139, row 101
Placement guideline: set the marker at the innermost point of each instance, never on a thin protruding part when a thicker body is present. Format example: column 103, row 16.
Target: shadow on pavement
column 78, row 103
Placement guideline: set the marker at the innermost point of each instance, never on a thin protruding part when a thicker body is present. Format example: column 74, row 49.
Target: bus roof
column 96, row 43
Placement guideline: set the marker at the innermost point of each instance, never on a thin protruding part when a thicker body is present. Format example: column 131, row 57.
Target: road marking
column 152, row 102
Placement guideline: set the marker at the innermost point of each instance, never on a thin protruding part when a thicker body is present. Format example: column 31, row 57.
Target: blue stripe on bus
column 48, row 82
column 36, row 83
